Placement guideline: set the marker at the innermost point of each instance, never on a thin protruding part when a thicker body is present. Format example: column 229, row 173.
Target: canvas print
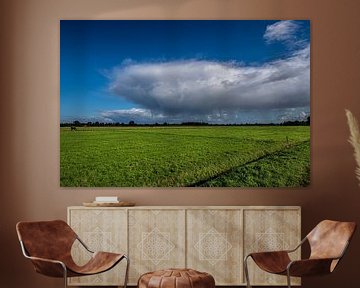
column 185, row 103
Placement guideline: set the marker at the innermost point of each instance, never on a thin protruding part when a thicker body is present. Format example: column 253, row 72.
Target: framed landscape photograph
column 184, row 103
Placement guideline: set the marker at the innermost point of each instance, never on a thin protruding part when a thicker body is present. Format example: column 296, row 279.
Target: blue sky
column 176, row 71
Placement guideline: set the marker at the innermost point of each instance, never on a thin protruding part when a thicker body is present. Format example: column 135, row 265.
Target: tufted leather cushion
column 176, row 278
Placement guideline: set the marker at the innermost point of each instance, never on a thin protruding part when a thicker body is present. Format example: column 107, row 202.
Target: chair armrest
column 83, row 244
column 48, row 267
column 298, row 246
column 268, row 254
column 309, row 267
column 280, row 251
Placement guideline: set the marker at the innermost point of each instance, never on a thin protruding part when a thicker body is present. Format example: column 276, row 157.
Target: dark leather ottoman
column 176, row 278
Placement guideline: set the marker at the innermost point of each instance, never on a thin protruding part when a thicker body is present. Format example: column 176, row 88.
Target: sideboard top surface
column 193, row 207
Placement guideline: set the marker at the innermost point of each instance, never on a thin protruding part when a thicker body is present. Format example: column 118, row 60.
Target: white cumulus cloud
column 203, row 89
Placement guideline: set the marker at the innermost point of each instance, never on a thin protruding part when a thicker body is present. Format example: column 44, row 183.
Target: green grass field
column 177, row 156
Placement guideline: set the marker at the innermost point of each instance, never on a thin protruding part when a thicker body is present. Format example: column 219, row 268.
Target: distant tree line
column 191, row 123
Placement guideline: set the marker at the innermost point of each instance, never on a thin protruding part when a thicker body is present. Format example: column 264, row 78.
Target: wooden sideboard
column 212, row 239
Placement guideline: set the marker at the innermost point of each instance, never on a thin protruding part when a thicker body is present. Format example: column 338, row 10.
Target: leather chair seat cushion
column 176, row 278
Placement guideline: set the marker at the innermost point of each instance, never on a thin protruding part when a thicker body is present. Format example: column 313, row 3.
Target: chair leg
column 246, row 270
column 65, row 276
column 127, row 271
column 288, row 278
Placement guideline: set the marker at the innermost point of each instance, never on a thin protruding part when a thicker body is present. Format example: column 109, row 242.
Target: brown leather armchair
column 328, row 242
column 48, row 245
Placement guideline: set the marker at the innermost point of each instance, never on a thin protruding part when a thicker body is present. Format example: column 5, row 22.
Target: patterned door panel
column 214, row 241
column 157, row 240
column 101, row 230
column 270, row 230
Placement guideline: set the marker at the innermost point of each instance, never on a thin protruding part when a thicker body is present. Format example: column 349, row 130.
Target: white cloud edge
column 284, row 30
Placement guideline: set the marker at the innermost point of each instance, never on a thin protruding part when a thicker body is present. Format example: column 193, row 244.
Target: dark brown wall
column 29, row 118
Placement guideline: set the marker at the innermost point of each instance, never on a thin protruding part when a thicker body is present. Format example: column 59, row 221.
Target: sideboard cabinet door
column 214, row 244
column 269, row 230
column 156, row 240
column 101, row 230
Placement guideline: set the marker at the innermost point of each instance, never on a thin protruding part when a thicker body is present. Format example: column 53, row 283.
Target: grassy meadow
column 180, row 156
